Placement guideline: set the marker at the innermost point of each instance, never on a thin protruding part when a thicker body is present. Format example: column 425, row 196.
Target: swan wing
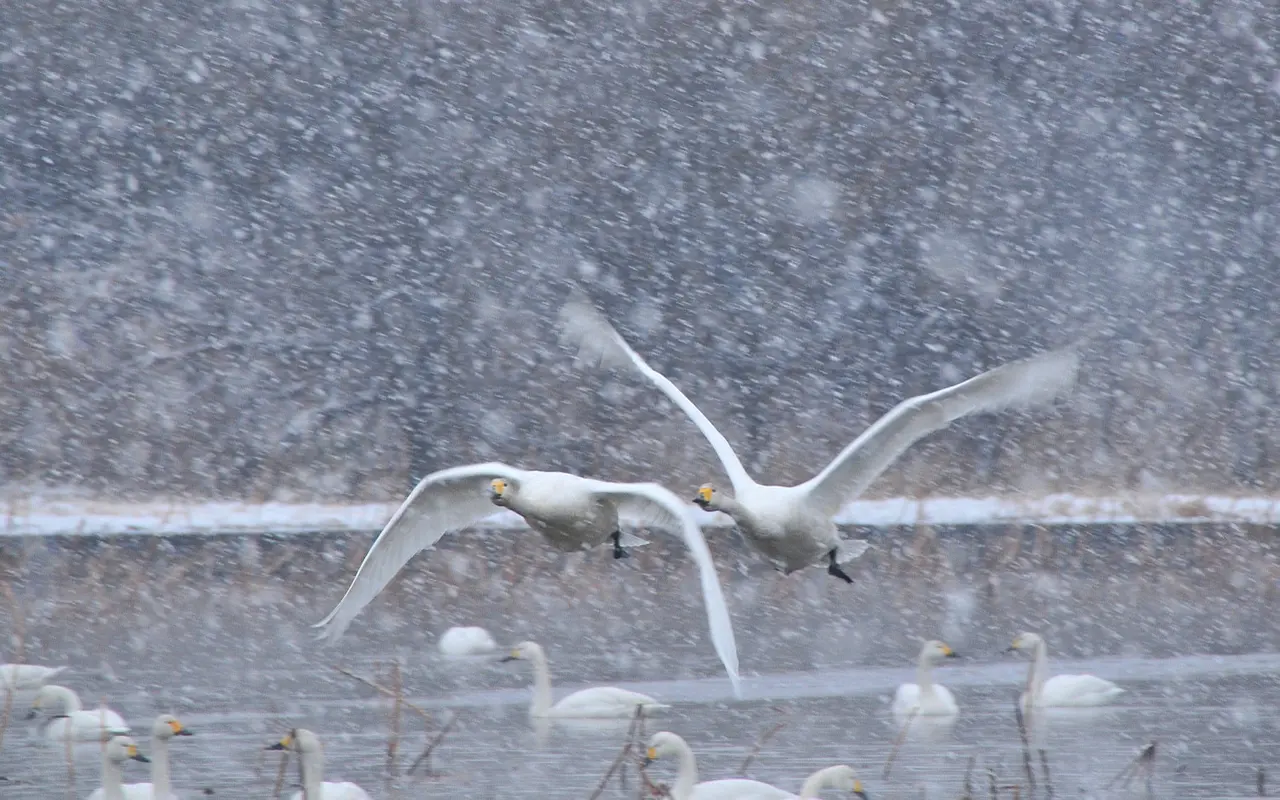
column 598, row 342
column 605, row 701
column 738, row 789
column 441, row 502
column 651, row 502
column 1020, row 383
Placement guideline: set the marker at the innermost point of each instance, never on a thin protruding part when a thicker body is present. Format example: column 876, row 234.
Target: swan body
column 311, row 756
column 22, row 677
column 469, row 641
column 570, row 512
column 924, row 697
column 599, row 702
column 792, row 526
column 74, row 722
column 1060, row 691
column 163, row 730
column 118, row 751
column 687, row 787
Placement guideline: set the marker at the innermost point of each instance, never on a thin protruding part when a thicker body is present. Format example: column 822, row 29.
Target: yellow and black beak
column 137, row 756
column 650, row 756
column 183, row 732
column 858, row 792
column 283, row 744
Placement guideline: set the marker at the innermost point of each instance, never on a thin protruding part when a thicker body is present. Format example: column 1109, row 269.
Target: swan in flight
column 1060, row 690
column 595, row 703
column 686, row 787
column 117, row 752
column 792, row 526
column 311, row 755
column 22, row 677
column 931, row 699
column 570, row 512
column 74, row 721
column 163, row 729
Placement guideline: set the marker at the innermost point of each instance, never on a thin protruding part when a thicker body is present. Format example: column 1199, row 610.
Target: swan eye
column 652, row 754
column 705, row 493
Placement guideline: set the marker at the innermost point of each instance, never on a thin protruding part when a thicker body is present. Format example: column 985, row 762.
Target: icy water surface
column 214, row 630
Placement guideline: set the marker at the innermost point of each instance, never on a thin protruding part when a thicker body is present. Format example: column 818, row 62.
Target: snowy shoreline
column 37, row 516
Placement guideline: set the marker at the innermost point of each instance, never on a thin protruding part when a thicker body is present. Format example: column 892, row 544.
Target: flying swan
column 792, row 526
column 1060, row 690
column 598, row 702
column 570, row 512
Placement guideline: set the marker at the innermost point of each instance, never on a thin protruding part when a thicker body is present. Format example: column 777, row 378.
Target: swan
column 118, row 750
column 468, row 641
column 792, row 526
column 597, row 702
column 311, row 755
column 163, row 729
column 1060, row 690
column 666, row 743
column 569, row 511
column 22, row 677
column 74, row 722
column 926, row 698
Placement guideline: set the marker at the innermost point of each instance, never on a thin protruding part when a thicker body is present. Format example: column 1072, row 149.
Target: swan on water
column 925, row 697
column 311, row 756
column 466, row 641
column 596, row 702
column 570, row 512
column 1060, row 690
column 72, row 720
column 115, row 754
column 687, row 787
column 792, row 526
column 163, row 729
column 23, row 677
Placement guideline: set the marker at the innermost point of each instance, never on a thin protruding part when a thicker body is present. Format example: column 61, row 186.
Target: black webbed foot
column 618, row 550
column 834, row 569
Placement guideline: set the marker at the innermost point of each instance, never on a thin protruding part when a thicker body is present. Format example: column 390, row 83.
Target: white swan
column 792, row 525
column 118, row 750
column 22, row 677
column 570, row 512
column 686, row 787
column 311, row 755
column 468, row 641
column 597, row 702
column 163, row 729
column 74, row 721
column 1060, row 690
column 931, row 699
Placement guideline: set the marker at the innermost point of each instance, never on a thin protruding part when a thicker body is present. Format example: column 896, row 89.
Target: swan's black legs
column 834, row 569
column 618, row 552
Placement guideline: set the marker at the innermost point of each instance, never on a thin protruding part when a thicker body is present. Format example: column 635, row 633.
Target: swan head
column 663, row 743
column 707, row 498
column 1024, row 641
column 524, row 651
column 935, row 651
column 49, row 696
column 843, row 779
column 167, row 726
column 121, row 749
column 500, row 491
column 299, row 740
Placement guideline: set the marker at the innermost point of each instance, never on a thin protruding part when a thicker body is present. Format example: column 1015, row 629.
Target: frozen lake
column 214, row 630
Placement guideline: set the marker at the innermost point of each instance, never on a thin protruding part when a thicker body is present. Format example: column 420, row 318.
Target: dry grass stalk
column 393, row 743
column 19, row 631
column 1026, row 747
column 1144, row 762
column 627, row 745
column 760, row 743
column 968, row 779
column 284, row 765
column 1044, row 767
column 897, row 743
column 991, row 780
column 383, row 690
column 439, row 737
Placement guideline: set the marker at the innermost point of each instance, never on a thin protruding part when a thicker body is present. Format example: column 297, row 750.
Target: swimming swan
column 117, row 751
column 468, row 641
column 932, row 699
column 1060, row 690
column 74, row 721
column 307, row 745
column 686, row 787
column 792, row 525
column 597, row 702
column 570, row 512
column 22, row 677
column 163, row 729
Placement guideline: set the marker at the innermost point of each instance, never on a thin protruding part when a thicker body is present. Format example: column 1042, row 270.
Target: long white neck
column 69, row 699
column 160, row 769
column 822, row 779
column 312, row 774
column 924, row 674
column 112, row 777
column 541, row 684
column 732, row 507
column 686, row 774
column 1038, row 672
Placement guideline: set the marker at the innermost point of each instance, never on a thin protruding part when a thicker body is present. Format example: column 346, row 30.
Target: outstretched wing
column 441, row 502
column 1021, row 383
column 653, row 504
column 598, row 342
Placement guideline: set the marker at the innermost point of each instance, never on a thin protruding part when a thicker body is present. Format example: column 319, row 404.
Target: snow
column 33, row 517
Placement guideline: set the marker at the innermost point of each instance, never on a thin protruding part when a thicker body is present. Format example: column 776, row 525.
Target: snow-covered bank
column 36, row 516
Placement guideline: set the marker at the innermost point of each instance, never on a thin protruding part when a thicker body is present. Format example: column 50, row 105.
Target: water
column 214, row 630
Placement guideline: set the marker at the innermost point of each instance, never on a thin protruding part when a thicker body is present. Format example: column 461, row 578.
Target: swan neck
column 160, row 769
column 70, row 701
column 816, row 782
column 924, row 674
column 730, row 505
column 112, row 778
column 312, row 773
column 541, row 685
column 1039, row 668
column 686, row 775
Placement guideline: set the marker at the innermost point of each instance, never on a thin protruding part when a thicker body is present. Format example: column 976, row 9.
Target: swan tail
column 331, row 628
column 850, row 549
